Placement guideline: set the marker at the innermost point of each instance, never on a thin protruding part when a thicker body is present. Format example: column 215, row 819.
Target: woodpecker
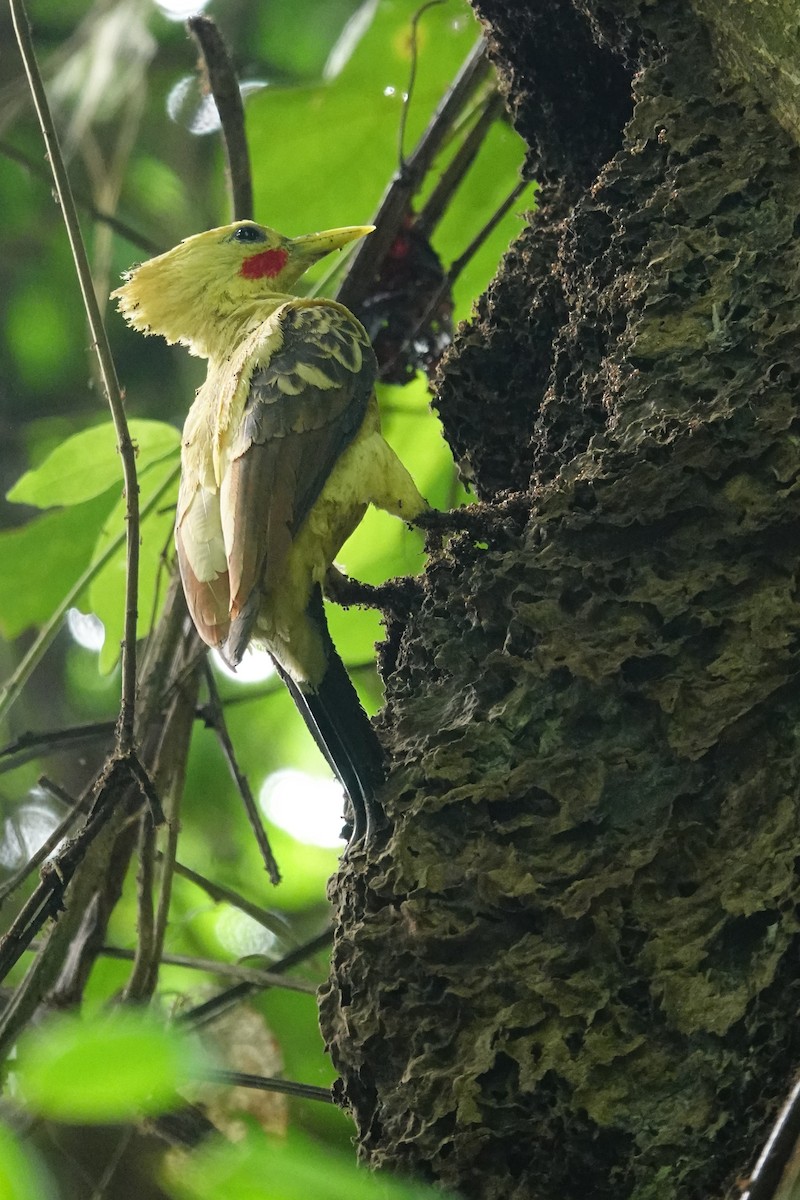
column 282, row 453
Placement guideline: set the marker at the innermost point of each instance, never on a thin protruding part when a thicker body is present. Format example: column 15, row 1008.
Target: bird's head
column 187, row 293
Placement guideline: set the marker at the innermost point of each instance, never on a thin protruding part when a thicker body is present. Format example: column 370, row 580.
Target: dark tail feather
column 342, row 731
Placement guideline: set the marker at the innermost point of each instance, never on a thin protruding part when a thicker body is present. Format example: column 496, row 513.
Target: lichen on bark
column 569, row 972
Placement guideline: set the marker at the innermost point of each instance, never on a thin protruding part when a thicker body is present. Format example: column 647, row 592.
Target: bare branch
column 213, row 966
column 370, row 254
column 476, row 243
column 83, row 201
column 33, row 744
column 142, row 981
column 221, row 894
column 267, row 1083
column 224, row 87
column 214, row 715
column 456, row 169
column 12, row 688
column 82, row 883
column 77, row 807
column 208, row 1011
column 108, row 790
column 412, row 79
column 446, row 286
column 107, row 371
column 170, row 770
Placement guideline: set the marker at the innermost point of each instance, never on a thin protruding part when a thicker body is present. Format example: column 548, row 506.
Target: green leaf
column 107, row 590
column 88, row 464
column 22, row 1176
column 44, row 558
column 296, row 39
column 330, row 131
column 112, row 1068
column 296, row 1168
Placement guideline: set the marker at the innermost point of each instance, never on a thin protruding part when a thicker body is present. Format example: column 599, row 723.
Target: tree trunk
column 570, row 972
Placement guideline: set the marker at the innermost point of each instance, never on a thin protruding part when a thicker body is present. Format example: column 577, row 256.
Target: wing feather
column 305, row 405
column 201, row 559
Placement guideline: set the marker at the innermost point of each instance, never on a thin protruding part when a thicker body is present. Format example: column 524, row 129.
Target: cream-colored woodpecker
column 282, row 454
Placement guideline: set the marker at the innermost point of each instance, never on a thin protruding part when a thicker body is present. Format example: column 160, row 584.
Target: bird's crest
column 192, row 293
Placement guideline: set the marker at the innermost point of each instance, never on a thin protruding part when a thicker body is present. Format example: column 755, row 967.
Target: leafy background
column 325, row 81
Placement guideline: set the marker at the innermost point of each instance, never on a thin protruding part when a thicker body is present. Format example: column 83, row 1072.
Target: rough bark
column 571, row 971
column 758, row 43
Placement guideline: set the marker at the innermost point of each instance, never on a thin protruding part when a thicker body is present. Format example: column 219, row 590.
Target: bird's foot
column 344, row 590
column 481, row 522
column 397, row 597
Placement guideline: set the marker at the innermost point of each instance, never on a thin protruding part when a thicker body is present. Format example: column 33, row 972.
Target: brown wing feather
column 208, row 602
column 293, row 430
column 201, row 557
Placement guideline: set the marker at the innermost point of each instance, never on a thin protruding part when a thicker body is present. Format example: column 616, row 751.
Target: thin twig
column 446, row 286
column 65, row 1147
column 268, row 1083
column 213, row 1008
column 212, row 966
column 225, row 895
column 59, row 793
column 163, row 573
column 167, row 876
column 91, row 866
column 369, row 256
column 114, row 1159
column 412, row 79
column 450, row 179
column 46, row 899
column 146, row 785
column 169, row 767
column 125, row 728
column 34, row 744
column 140, row 984
column 214, row 715
column 13, row 686
column 48, row 846
column 224, row 87
column 472, row 249
column 85, row 202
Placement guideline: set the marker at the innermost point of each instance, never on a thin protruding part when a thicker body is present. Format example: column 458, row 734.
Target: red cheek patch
column 264, row 265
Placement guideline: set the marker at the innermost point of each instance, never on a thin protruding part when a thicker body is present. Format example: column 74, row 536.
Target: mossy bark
column 572, row 970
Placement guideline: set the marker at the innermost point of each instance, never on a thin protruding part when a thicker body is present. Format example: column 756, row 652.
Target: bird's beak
column 314, row 246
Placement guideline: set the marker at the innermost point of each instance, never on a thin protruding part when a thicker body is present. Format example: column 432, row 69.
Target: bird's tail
column 342, row 730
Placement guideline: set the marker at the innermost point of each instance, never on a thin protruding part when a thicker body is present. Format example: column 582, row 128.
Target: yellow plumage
column 282, row 449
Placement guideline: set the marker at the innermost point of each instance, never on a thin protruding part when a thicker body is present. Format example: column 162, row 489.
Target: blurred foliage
column 295, row 1168
column 62, row 1073
column 328, row 79
column 22, row 1174
column 62, row 1069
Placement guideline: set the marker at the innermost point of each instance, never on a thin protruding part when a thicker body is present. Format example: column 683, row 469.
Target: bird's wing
column 201, row 558
column 305, row 404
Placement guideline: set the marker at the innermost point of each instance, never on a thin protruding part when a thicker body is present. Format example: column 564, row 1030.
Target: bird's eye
column 249, row 233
